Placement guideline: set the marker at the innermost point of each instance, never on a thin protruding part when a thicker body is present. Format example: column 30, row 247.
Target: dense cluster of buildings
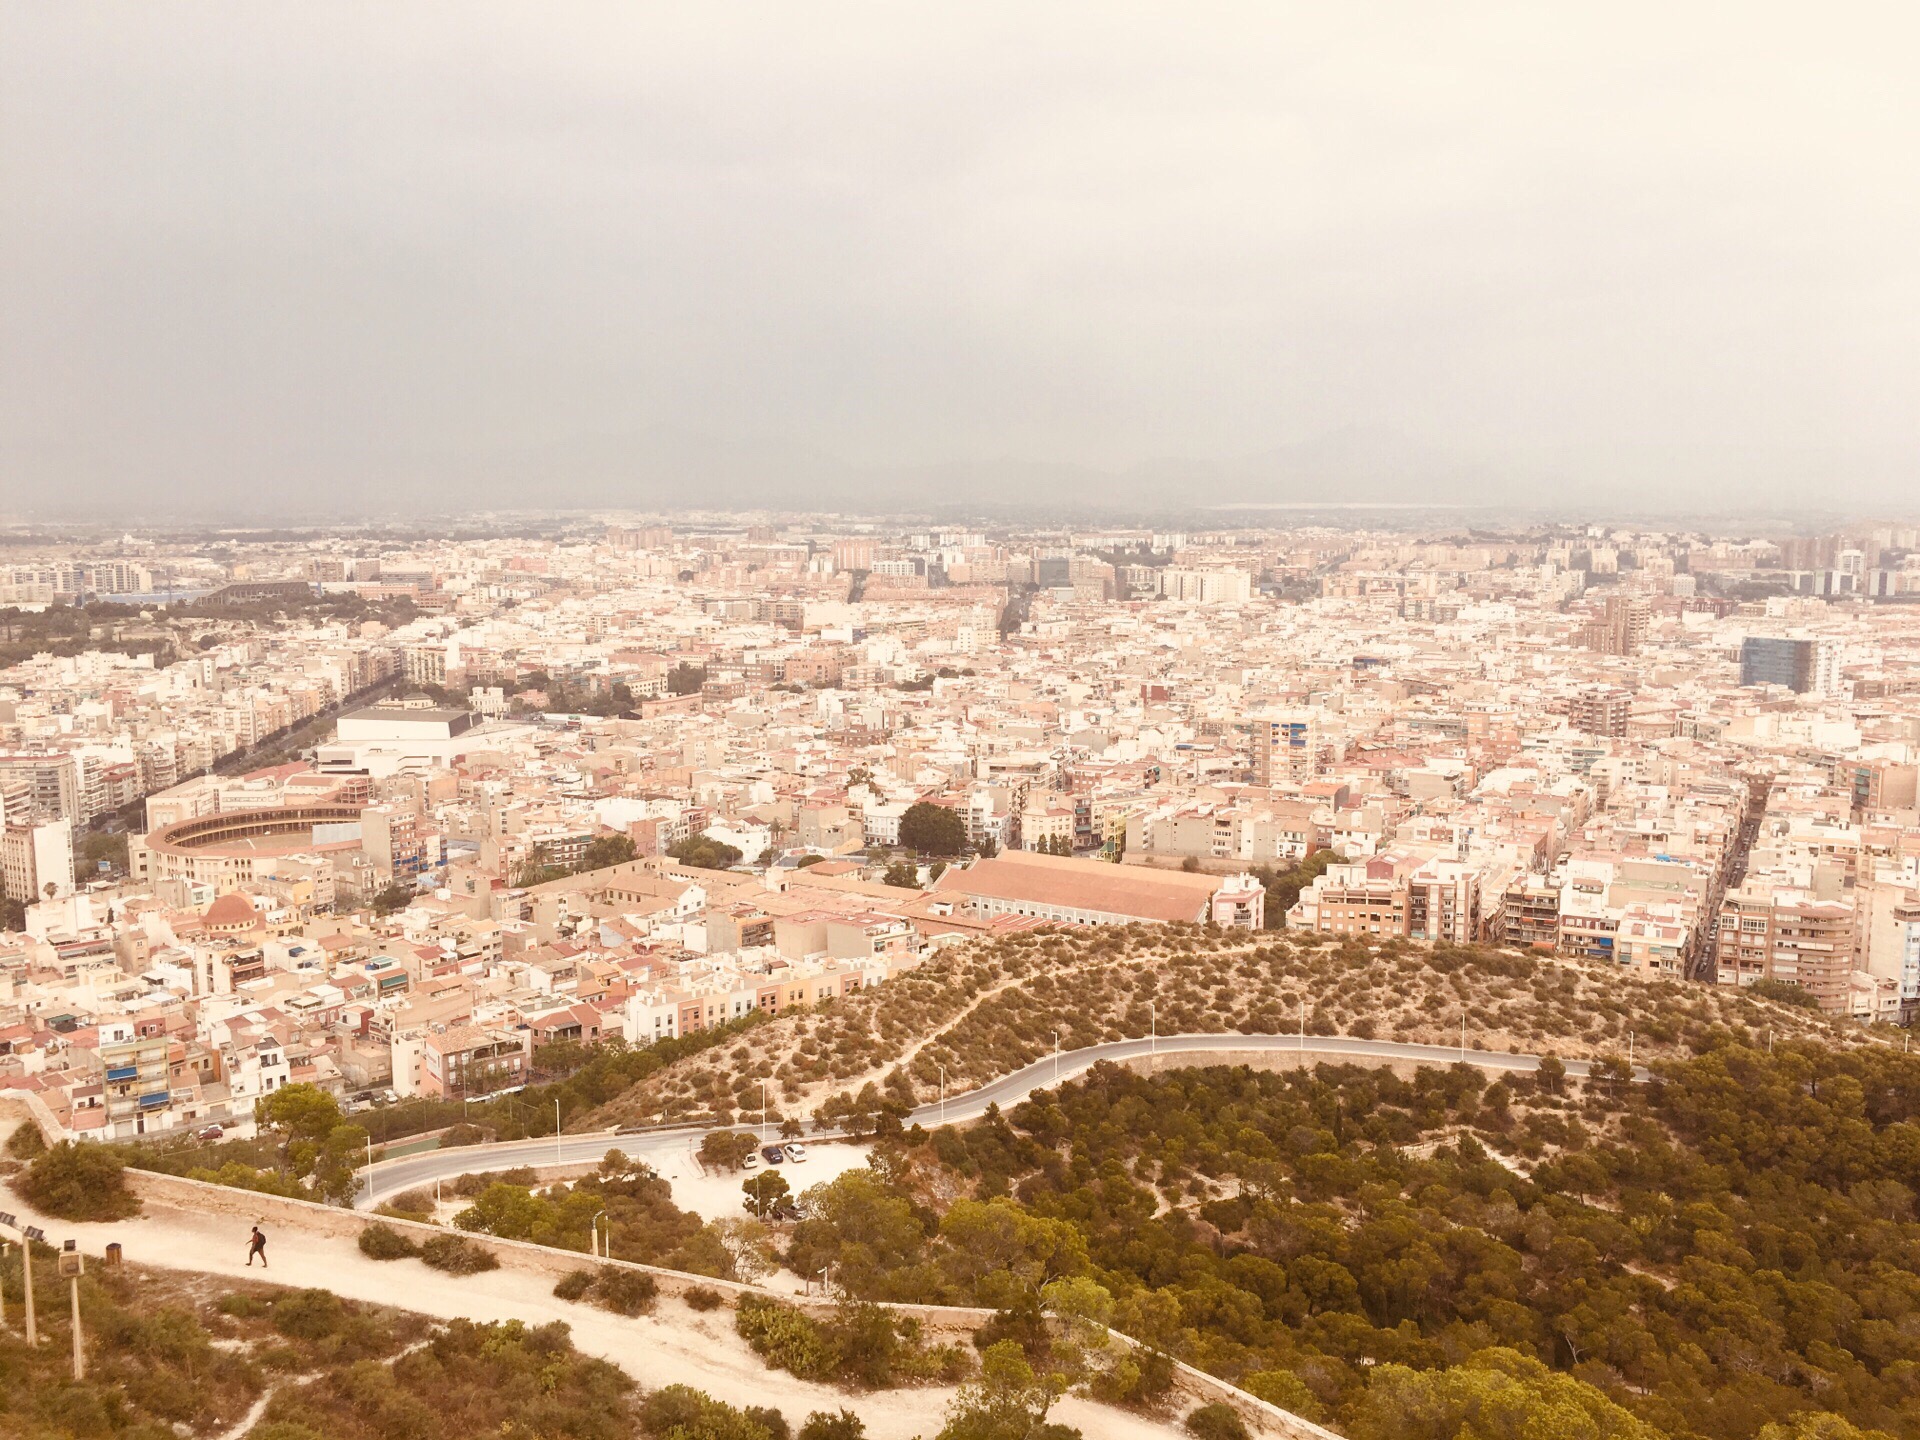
column 1682, row 754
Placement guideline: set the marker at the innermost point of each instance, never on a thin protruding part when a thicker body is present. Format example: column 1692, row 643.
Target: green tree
column 704, row 853
column 867, row 1230
column 605, row 850
column 1007, row 1401
column 726, row 1149
column 393, row 898
column 995, row 1249
column 904, row 874
column 932, row 829
column 685, row 679
column 1818, row 1425
column 301, row 1113
column 765, row 1192
column 76, row 1181
column 1496, row 1394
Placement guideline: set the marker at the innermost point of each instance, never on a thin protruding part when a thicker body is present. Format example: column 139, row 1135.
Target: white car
column 796, row 1152
column 752, row 1162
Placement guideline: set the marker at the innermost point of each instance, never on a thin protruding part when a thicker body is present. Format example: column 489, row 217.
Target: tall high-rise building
column 1622, row 626
column 1285, row 748
column 1600, row 710
column 1802, row 664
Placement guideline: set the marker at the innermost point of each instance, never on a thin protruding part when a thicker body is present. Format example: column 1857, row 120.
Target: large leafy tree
column 1495, row 1395
column 932, row 829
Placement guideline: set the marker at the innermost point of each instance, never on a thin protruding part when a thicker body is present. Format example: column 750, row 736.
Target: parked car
column 796, row 1152
column 752, row 1162
column 771, row 1154
column 210, row 1132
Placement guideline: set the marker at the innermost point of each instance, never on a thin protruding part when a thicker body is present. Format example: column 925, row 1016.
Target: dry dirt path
column 675, row 1345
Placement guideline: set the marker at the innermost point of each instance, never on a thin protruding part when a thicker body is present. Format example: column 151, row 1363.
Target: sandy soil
column 716, row 1195
column 674, row 1345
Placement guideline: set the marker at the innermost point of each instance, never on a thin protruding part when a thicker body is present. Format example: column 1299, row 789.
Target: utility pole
column 1629, row 1053
column 1463, row 1037
column 1153, row 1029
column 1303, row 1023
column 763, row 1112
column 71, row 1265
column 27, row 1234
column 370, row 1168
column 943, row 1093
column 556, row 1129
column 1056, row 1059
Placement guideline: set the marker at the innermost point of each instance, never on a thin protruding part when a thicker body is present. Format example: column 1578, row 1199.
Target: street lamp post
column 943, row 1093
column 1463, row 1036
column 1056, row 1059
column 600, row 1252
column 1153, row 1029
column 71, row 1266
column 763, row 1112
column 26, row 1280
column 556, row 1129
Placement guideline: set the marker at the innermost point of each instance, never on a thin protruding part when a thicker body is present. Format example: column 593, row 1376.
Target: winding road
column 665, row 1148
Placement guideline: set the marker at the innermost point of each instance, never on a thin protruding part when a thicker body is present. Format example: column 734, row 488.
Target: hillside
column 988, row 1008
column 1728, row 1251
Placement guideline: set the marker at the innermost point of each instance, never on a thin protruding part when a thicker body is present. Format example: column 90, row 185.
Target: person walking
column 257, row 1246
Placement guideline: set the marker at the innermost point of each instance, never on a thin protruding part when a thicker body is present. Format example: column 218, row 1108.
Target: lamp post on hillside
column 71, row 1266
column 1153, row 1029
column 943, row 1092
column 1056, row 1059
column 556, row 1129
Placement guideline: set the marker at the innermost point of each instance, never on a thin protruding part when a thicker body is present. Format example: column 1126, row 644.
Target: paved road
column 667, row 1148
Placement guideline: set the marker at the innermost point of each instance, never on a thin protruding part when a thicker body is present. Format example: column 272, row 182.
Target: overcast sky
column 332, row 255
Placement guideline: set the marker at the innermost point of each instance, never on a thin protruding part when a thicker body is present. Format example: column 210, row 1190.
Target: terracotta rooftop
column 1021, row 876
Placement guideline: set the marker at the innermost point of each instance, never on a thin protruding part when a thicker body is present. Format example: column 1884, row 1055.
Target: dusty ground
column 673, row 1345
column 717, row 1195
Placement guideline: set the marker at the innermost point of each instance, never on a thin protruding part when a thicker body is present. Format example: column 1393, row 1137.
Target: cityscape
column 958, row 722
column 341, row 811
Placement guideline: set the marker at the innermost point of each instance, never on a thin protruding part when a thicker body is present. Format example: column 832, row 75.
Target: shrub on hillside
column 1217, row 1422
column 785, row 1338
column 79, row 1182
column 457, row 1255
column 624, row 1292
column 680, row 1412
column 700, row 1297
column 844, row 1425
column 573, row 1285
column 383, row 1242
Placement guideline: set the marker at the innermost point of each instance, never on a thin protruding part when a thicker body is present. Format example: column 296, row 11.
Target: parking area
column 717, row 1196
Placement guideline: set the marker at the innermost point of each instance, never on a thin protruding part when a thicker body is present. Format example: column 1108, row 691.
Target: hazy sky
column 329, row 255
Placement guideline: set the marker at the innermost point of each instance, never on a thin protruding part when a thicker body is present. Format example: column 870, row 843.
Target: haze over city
column 268, row 261
column 880, row 722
